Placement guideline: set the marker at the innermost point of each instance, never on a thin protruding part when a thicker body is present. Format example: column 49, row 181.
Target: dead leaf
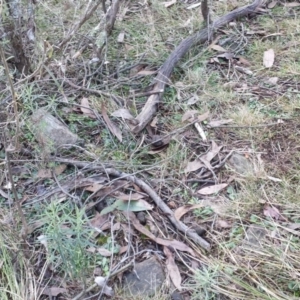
column 244, row 70
column 194, row 5
column 206, row 158
column 86, row 109
column 226, row 55
column 269, row 57
column 189, row 115
column 169, row 243
column 60, row 169
column 95, row 187
column 53, row 291
column 179, row 212
column 244, row 61
column 44, row 173
column 273, row 212
column 222, row 224
column 123, row 113
column 272, row 80
column 212, row 189
column 104, row 252
column 291, row 4
column 169, row 3
column 37, row 224
column 217, row 123
column 99, row 221
column 217, row 48
column 113, row 128
column 172, row 268
column 272, row 4
column 129, row 197
column 193, row 166
column 146, row 72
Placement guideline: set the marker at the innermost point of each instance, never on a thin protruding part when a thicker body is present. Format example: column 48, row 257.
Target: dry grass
column 236, row 269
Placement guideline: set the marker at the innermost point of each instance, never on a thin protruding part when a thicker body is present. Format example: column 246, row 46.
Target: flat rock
column 50, row 132
column 146, row 280
column 240, row 164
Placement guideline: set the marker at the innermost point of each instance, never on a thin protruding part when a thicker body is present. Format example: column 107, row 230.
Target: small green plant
column 68, row 239
column 203, row 283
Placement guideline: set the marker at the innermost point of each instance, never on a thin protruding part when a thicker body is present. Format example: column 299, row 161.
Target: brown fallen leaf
column 99, row 221
column 189, row 115
column 193, row 166
column 169, row 3
column 206, row 158
column 146, row 72
column 86, row 109
column 123, row 113
column 212, row 189
column 60, row 169
column 44, row 173
column 95, row 187
column 269, row 57
column 273, row 212
column 129, row 197
column 217, row 123
column 291, row 4
column 272, row 4
column 180, row 211
column 169, row 243
column 172, row 268
column 217, row 48
column 113, row 128
column 222, row 224
column 104, row 252
column 53, row 291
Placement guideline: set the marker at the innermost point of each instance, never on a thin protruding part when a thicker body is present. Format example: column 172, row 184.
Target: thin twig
column 154, row 196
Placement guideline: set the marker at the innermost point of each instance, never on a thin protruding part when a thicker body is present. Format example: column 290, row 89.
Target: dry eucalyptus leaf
column 218, row 48
column 169, row 3
column 113, row 128
column 272, row 4
column 217, row 123
column 273, row 212
column 121, row 36
column 169, row 243
column 189, row 115
column 53, row 291
column 269, row 57
column 86, row 109
column 193, row 166
column 123, row 113
column 172, row 268
column 291, row 4
column 212, row 189
column 179, row 212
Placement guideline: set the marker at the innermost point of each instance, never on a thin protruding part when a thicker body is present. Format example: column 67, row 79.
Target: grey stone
column 50, row 132
column 240, row 164
column 145, row 280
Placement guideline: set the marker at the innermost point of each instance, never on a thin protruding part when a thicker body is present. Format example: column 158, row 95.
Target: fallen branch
column 162, row 79
column 152, row 194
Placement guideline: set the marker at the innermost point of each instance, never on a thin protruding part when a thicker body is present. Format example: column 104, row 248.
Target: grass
column 232, row 270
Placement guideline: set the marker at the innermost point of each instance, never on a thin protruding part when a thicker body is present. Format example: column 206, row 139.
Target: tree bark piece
column 150, row 108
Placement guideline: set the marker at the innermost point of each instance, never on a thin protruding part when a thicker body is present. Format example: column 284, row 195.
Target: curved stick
column 150, row 108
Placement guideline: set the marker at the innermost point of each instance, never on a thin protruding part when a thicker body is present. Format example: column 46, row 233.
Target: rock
column 240, row 164
column 146, row 280
column 50, row 132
